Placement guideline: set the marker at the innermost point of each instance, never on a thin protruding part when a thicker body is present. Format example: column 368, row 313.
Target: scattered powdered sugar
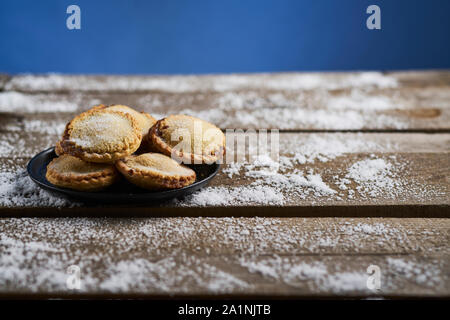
column 44, row 127
column 11, row 101
column 298, row 176
column 17, row 190
column 230, row 102
column 282, row 268
column 330, row 146
column 333, row 275
column 24, row 145
column 245, row 195
column 421, row 273
column 265, row 170
column 287, row 110
column 370, row 229
column 294, row 118
column 313, row 181
column 358, row 100
column 369, row 170
column 384, row 178
column 345, row 282
column 18, row 102
column 374, row 177
column 185, row 255
column 268, row 186
column 284, row 81
column 376, row 79
column 215, row 255
column 264, row 179
column 270, row 179
column 165, row 274
column 283, row 118
column 6, row 147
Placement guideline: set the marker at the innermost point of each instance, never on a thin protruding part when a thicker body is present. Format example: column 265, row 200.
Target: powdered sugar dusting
column 167, row 273
column 374, row 176
column 12, row 101
column 356, row 109
column 333, row 274
column 323, row 148
column 302, row 101
column 293, row 118
column 286, row 81
column 360, row 100
column 215, row 255
column 17, row 190
column 420, row 272
column 246, row 195
column 299, row 176
column 294, row 178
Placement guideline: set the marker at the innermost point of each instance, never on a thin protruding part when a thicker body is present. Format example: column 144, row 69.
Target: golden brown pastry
column 144, row 120
column 70, row 172
column 58, row 149
column 102, row 135
column 155, row 171
column 188, row 139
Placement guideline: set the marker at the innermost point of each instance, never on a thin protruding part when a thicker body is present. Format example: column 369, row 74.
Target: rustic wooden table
column 363, row 180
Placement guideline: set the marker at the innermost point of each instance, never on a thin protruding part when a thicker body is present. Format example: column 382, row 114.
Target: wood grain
column 415, row 102
column 290, row 81
column 228, row 257
column 419, row 164
column 308, row 246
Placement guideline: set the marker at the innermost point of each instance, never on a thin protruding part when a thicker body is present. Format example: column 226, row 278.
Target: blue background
column 212, row 36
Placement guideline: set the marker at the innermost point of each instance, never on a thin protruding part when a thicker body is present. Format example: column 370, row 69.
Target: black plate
column 121, row 192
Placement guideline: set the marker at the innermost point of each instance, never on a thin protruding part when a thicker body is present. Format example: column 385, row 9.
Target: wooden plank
column 390, row 175
column 421, row 78
column 318, row 175
column 231, row 82
column 4, row 78
column 217, row 257
column 430, row 113
column 397, row 103
column 24, row 139
column 414, row 109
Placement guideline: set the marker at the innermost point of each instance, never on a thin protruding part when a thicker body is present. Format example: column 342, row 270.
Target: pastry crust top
column 144, row 120
column 101, row 135
column 155, row 170
column 70, row 172
column 188, row 139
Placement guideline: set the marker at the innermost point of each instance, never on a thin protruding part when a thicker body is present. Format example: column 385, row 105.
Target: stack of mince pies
column 105, row 142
